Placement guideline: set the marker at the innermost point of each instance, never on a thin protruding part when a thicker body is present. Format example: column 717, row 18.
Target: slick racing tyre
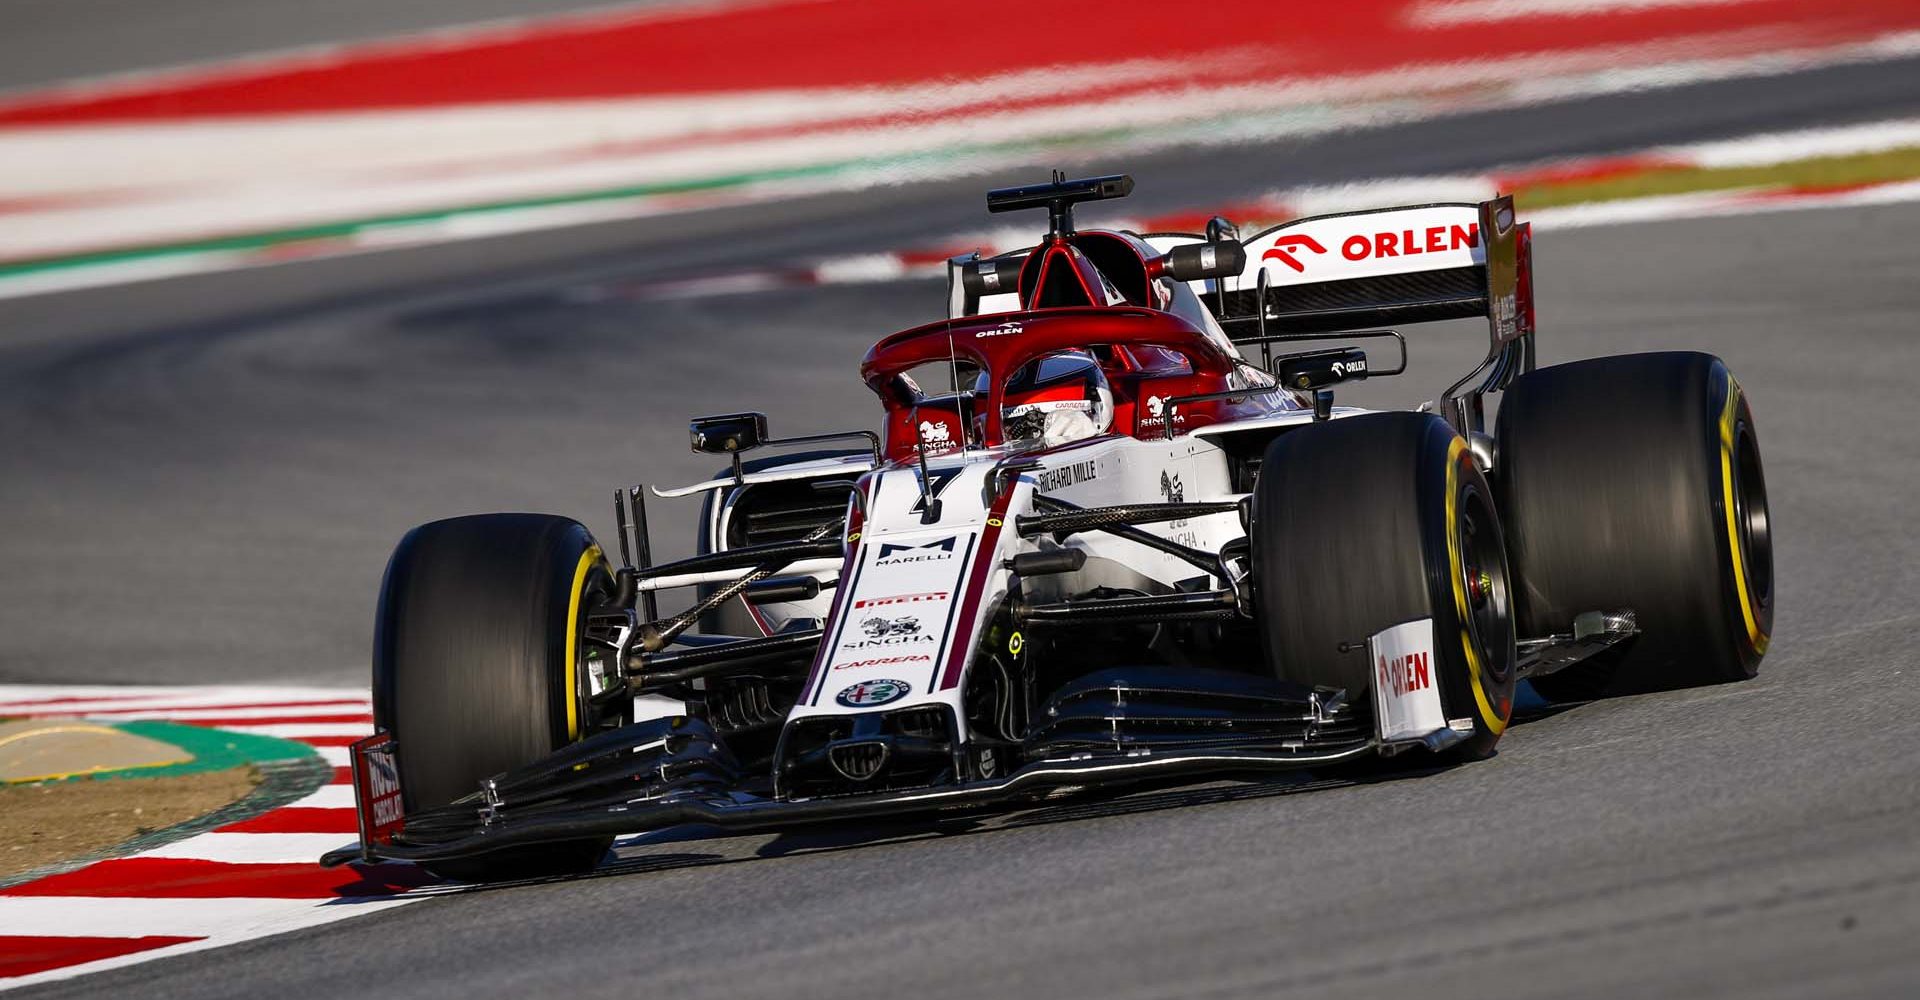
column 475, row 666
column 1368, row 522
column 1635, row 482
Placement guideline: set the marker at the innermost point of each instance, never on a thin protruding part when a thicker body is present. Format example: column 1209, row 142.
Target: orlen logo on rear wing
column 1367, row 244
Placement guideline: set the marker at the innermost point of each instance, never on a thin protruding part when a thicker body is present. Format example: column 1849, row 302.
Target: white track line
column 1454, row 13
column 1781, row 147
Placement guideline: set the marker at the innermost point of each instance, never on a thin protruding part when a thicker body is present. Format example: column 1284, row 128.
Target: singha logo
column 1156, row 406
column 935, row 433
column 880, row 628
column 1172, row 489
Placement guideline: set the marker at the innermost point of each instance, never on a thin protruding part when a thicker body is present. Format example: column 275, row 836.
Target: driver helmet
column 1056, row 400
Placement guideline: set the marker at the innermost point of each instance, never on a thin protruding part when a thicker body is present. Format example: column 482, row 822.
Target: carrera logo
column 880, row 602
column 1403, row 674
column 1284, row 243
column 1411, row 242
column 895, row 555
column 884, row 661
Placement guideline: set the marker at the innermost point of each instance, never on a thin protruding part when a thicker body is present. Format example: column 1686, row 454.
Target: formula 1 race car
column 1093, row 544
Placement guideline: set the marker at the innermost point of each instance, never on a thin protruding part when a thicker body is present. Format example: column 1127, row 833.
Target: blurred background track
column 58, row 41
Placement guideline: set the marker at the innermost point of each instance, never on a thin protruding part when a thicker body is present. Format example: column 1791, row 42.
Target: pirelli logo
column 882, row 602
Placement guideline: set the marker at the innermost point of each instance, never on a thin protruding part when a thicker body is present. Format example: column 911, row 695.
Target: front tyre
column 476, row 665
column 1367, row 522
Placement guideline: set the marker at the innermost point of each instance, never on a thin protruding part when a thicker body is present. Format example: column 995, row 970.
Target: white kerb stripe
column 302, row 730
column 252, row 848
column 91, row 916
column 327, row 797
column 201, row 695
column 361, row 707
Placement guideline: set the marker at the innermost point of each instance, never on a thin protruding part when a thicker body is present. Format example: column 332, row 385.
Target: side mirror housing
column 1195, row 261
column 728, row 433
column 1320, row 369
column 992, row 276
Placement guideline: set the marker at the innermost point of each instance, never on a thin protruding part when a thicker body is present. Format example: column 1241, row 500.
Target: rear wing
column 1318, row 276
column 1384, row 267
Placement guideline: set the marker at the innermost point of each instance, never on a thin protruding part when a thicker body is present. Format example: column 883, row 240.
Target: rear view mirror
column 1195, row 261
column 991, row 277
column 728, row 433
column 1320, row 369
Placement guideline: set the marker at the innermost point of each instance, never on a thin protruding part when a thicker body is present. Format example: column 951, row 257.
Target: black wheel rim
column 1752, row 524
column 1483, row 572
column 594, row 648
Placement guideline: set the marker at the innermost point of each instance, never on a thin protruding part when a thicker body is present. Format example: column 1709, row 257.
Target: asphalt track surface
column 202, row 478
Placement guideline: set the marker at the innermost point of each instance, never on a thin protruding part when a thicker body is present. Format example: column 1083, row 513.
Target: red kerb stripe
column 361, row 718
column 135, row 703
column 22, row 956
column 301, row 819
column 169, row 878
column 331, row 741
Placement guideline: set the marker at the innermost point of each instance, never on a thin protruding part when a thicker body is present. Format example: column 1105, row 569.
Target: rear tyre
column 1636, row 482
column 1367, row 522
column 475, row 666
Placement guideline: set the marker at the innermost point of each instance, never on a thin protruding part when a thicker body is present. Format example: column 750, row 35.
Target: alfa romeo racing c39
column 1112, row 528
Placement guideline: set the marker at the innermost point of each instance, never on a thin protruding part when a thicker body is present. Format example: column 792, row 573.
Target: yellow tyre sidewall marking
column 1729, row 418
column 1496, row 724
column 588, row 560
